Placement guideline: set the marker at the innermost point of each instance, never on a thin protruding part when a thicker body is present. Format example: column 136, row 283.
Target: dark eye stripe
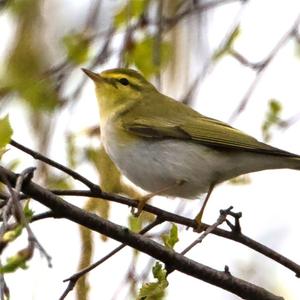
column 124, row 81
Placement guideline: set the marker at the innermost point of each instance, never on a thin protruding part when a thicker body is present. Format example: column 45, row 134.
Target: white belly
column 155, row 165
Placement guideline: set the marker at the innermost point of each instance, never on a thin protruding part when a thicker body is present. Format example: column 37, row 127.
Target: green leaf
column 133, row 9
column 77, row 46
column 11, row 235
column 5, row 132
column 39, row 94
column 159, row 272
column 145, row 49
column 155, row 290
column 17, row 261
column 171, row 238
column 135, row 224
column 272, row 118
column 28, row 63
column 228, row 45
column 28, row 212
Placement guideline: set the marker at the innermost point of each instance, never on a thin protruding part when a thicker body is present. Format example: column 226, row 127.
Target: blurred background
column 237, row 61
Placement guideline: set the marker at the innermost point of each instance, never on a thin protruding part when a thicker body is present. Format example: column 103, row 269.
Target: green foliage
column 28, row 59
column 171, row 238
column 133, row 9
column 16, row 230
column 135, row 224
column 21, row 257
column 142, row 53
column 28, row 212
column 272, row 118
column 39, row 94
column 17, row 261
column 155, row 290
column 77, row 47
column 11, row 235
column 20, row 7
column 27, row 62
column 220, row 53
column 5, row 132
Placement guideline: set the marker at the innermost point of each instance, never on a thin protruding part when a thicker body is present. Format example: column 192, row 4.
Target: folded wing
column 206, row 131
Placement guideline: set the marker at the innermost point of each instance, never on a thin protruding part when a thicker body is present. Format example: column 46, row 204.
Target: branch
column 180, row 263
column 75, row 277
column 56, row 165
column 167, row 216
column 261, row 67
column 15, row 205
column 196, row 9
column 234, row 234
column 210, row 229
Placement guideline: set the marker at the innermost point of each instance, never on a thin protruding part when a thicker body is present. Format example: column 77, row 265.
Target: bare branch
column 202, row 7
column 210, row 229
column 261, row 67
column 75, row 277
column 180, row 263
column 4, row 291
column 18, row 210
column 56, row 165
column 233, row 235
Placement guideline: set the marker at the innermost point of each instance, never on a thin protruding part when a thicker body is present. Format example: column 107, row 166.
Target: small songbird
column 166, row 147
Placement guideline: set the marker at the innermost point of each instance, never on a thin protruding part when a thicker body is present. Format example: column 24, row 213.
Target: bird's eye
column 124, row 81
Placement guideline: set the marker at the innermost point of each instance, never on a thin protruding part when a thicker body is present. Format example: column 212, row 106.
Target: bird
column 167, row 148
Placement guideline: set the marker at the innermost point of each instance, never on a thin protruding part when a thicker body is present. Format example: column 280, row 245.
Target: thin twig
column 2, row 284
column 99, row 59
column 93, row 14
column 157, row 42
column 261, row 67
column 210, row 229
column 56, row 165
column 196, row 9
column 31, row 237
column 284, row 124
column 44, row 215
column 75, row 277
column 210, row 62
column 221, row 219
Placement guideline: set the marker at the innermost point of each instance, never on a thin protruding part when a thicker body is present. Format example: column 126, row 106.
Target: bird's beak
column 94, row 76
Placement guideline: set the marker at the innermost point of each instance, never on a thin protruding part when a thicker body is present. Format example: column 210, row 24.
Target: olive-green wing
column 204, row 130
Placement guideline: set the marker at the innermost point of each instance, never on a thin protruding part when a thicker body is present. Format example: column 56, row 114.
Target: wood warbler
column 166, row 147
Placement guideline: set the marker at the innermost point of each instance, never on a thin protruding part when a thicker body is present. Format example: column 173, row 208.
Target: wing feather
column 206, row 131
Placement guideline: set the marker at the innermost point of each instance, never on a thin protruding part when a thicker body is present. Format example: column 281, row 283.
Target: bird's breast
column 156, row 164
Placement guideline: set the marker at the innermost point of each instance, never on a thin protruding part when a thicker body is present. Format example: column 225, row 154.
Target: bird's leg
column 199, row 216
column 143, row 200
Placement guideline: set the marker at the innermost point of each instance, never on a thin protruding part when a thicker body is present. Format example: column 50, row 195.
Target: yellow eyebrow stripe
column 133, row 80
column 113, row 75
